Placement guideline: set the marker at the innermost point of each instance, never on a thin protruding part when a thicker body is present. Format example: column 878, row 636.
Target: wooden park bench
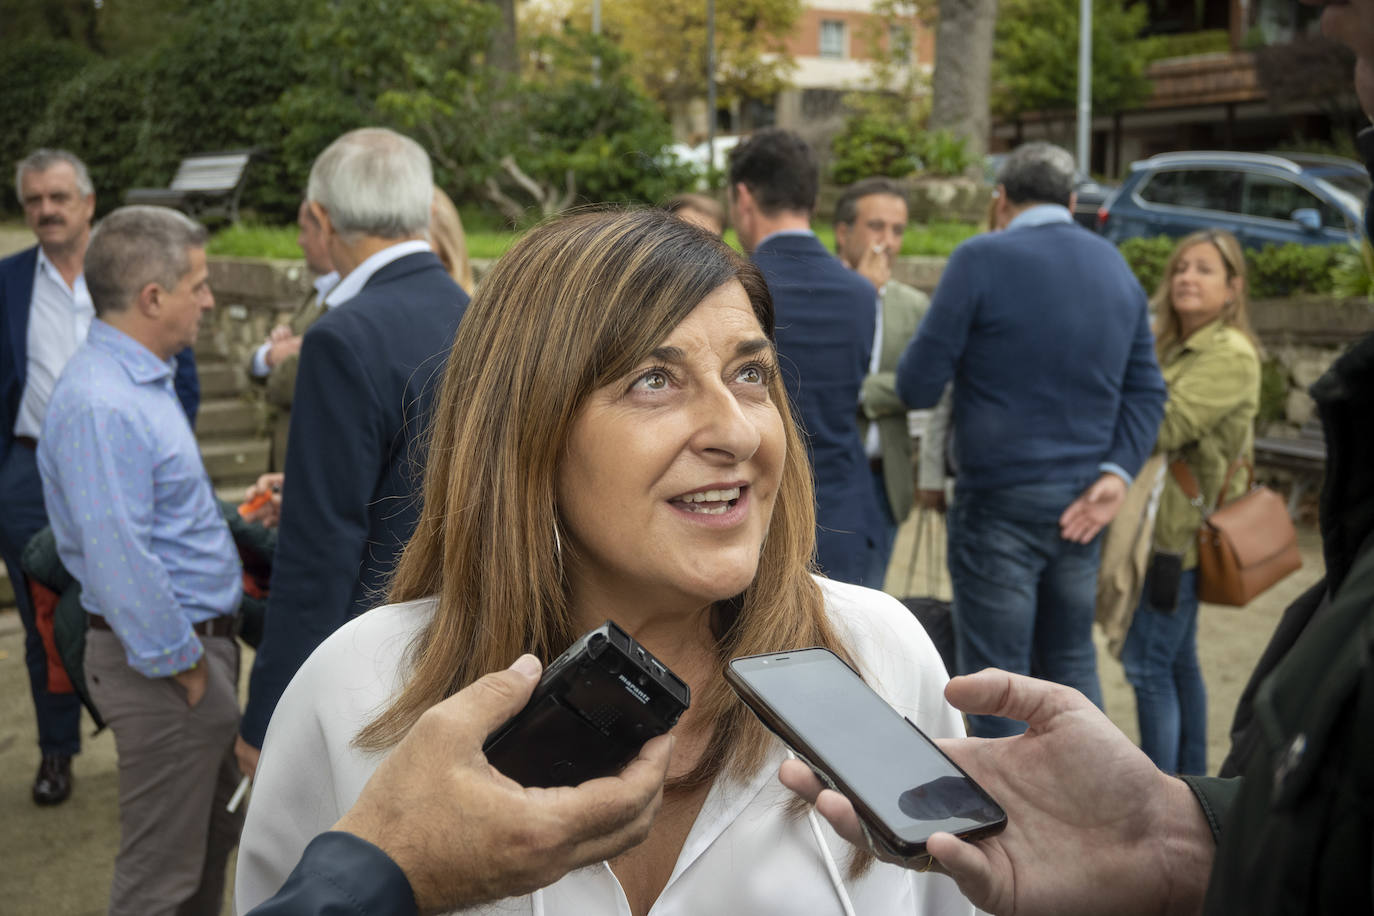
column 1304, row 456
column 206, row 185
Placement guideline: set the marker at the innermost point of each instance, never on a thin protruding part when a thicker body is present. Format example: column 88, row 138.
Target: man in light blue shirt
column 137, row 524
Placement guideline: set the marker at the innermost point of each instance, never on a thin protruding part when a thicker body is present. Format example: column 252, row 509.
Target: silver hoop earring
column 557, row 550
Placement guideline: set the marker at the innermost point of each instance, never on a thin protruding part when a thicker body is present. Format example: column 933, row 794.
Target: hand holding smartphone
column 903, row 788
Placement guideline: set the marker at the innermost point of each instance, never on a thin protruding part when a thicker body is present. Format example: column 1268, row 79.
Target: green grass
column 249, row 241
column 929, row 240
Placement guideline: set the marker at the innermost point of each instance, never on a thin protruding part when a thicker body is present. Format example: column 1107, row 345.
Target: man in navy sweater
column 1058, row 398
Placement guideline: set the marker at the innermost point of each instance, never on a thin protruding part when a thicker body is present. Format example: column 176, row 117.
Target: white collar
column 357, row 278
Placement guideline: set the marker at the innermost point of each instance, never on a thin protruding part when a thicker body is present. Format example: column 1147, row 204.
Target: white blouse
column 745, row 854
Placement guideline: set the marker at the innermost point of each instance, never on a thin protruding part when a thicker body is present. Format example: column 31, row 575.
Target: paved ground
column 59, row 861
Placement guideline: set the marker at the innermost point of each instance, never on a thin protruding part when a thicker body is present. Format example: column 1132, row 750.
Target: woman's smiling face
column 668, row 482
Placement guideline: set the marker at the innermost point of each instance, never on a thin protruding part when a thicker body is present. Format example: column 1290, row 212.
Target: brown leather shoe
column 53, row 783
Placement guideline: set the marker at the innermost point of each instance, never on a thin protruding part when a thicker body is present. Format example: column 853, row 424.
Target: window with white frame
column 899, row 43
column 832, row 38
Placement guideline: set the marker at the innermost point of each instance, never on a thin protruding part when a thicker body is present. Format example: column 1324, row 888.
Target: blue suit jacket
column 367, row 377
column 825, row 322
column 16, row 291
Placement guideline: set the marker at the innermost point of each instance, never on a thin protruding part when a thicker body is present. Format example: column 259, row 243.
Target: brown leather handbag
column 1245, row 545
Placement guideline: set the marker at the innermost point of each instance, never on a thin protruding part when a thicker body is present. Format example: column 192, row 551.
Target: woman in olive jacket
column 1210, row 361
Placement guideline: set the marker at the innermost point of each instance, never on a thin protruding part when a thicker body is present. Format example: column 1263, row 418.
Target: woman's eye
column 752, row 375
column 653, row 380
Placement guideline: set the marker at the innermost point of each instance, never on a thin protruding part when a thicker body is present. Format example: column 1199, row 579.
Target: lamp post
column 1085, row 83
column 710, row 85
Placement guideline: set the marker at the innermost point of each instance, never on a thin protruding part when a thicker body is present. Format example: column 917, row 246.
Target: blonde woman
column 613, row 440
column 1210, row 361
column 450, row 244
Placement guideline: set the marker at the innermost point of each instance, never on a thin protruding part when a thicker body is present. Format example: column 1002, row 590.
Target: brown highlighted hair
column 574, row 305
column 1168, row 329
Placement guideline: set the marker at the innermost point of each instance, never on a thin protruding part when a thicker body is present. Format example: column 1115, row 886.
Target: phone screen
column 828, row 715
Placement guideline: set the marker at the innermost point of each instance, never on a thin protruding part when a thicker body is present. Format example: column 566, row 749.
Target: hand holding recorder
column 1092, row 825
column 464, row 834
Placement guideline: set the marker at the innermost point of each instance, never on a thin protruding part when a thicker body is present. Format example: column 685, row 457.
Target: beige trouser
column 176, row 773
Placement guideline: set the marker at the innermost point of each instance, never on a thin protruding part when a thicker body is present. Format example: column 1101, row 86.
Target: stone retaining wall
column 1302, row 336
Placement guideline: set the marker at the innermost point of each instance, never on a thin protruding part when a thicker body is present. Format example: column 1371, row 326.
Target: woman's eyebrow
column 755, row 345
column 670, row 354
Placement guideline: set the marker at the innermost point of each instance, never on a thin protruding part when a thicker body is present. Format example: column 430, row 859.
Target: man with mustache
column 45, row 312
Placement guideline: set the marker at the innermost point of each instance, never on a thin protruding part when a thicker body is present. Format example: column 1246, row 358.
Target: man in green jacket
column 1094, row 827
column 870, row 218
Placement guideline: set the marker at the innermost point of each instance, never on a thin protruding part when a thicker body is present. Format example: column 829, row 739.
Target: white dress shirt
column 357, row 278
column 59, row 318
column 744, row 854
column 323, row 284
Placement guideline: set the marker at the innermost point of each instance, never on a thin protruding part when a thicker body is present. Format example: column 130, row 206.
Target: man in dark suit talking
column 826, row 316
column 364, row 387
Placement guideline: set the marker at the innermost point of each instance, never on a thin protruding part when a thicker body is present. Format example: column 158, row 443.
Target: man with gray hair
column 363, row 391
column 45, row 310
column 136, row 522
column 1057, row 400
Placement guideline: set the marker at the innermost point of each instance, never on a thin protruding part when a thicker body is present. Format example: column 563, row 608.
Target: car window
column 1198, row 189
column 1275, row 197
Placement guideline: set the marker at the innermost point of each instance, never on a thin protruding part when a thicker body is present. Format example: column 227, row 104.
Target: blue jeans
column 21, row 517
column 1024, row 598
column 1160, row 658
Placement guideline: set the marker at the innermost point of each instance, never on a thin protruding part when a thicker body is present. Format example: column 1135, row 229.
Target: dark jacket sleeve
column 1216, row 796
column 341, row 875
column 187, row 384
column 332, row 457
column 1142, row 400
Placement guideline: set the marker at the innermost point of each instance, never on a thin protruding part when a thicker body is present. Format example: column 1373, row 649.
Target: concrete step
column 220, row 380
column 235, row 459
column 224, row 418
column 231, row 489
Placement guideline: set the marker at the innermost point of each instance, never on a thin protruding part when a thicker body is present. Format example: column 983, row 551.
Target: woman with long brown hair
column 1209, row 357
column 613, row 441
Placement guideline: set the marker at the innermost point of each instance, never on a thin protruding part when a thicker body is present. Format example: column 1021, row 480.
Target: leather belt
column 223, row 625
column 29, row 442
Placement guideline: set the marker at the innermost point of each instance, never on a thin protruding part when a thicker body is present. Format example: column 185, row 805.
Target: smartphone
column 901, row 785
column 591, row 712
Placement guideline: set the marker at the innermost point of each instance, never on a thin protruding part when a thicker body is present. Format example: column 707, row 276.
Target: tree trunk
column 502, row 52
column 963, row 64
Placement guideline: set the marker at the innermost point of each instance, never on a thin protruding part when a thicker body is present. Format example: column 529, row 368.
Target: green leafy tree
column 424, row 73
column 1035, row 58
column 666, row 44
column 211, row 84
column 30, row 74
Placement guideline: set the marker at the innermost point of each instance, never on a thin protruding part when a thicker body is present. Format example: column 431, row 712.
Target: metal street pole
column 1085, row 83
column 710, row 85
column 596, row 30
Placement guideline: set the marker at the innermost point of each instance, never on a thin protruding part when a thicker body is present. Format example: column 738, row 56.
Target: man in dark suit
column 45, row 312
column 364, row 386
column 826, row 317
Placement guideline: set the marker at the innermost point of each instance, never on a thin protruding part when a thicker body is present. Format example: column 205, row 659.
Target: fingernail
column 527, row 665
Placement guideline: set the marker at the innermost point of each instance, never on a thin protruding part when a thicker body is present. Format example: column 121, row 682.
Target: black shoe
column 53, row 783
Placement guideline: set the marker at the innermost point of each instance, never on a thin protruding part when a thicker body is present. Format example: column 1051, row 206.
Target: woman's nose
column 724, row 429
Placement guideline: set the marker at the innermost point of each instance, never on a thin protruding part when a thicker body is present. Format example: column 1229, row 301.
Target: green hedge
column 30, row 73
column 211, row 87
column 1274, row 271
